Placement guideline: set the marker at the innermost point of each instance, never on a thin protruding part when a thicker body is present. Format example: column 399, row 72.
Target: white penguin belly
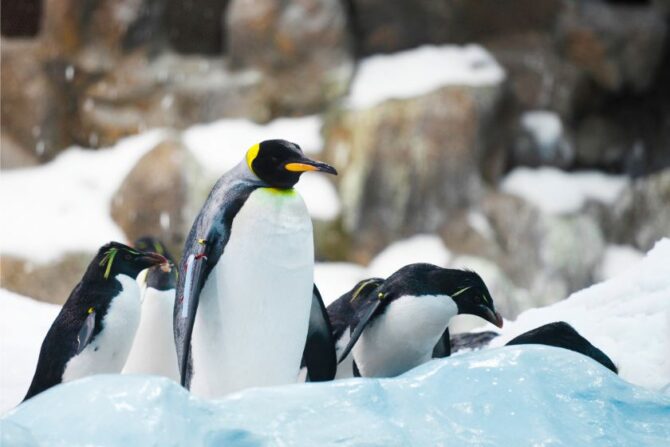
column 253, row 315
column 404, row 336
column 108, row 351
column 153, row 350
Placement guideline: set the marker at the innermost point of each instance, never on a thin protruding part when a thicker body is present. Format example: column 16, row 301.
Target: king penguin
column 391, row 326
column 153, row 350
column 94, row 330
column 247, row 309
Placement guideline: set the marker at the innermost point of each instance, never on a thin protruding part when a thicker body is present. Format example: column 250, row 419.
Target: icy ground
column 512, row 396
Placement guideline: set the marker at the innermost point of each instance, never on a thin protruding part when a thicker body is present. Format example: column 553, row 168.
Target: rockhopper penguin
column 94, row 330
column 246, row 295
column 153, row 350
column 394, row 325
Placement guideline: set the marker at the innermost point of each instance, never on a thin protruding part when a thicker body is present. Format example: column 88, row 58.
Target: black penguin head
column 279, row 163
column 159, row 277
column 115, row 258
column 465, row 287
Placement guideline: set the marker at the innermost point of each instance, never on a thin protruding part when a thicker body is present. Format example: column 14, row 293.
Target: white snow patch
column 558, row 192
column 23, row 324
column 64, row 205
column 627, row 317
column 421, row 248
column 320, row 196
column 617, row 259
column 545, row 127
column 334, row 279
column 421, row 70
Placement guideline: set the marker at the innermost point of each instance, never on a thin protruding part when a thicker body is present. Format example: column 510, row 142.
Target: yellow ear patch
column 90, row 310
column 252, row 153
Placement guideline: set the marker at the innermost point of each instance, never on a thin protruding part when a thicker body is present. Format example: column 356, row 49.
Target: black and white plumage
column 94, row 330
column 245, row 289
column 393, row 325
column 153, row 350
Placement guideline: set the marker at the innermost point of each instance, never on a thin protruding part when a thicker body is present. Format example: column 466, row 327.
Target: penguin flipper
column 367, row 311
column 86, row 332
column 319, row 355
column 443, row 347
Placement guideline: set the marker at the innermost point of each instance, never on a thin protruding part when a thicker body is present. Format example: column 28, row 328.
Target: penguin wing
column 203, row 248
column 364, row 314
column 86, row 332
column 443, row 346
column 319, row 355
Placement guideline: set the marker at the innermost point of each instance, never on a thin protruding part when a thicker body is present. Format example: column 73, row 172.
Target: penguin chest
column 252, row 320
column 107, row 352
column 404, row 336
column 153, row 350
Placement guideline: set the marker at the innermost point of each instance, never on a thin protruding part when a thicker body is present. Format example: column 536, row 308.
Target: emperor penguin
column 247, row 309
column 94, row 330
column 153, row 350
column 391, row 326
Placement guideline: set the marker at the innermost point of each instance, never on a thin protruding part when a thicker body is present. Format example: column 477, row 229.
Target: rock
column 641, row 216
column 601, row 143
column 51, row 282
column 160, row 196
column 301, row 48
column 407, row 165
column 385, row 27
column 33, row 108
column 617, row 45
column 14, row 156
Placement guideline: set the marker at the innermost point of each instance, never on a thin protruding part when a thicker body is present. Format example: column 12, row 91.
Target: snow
column 63, row 206
column 421, row 70
column 521, row 395
column 545, row 127
column 420, row 248
column 23, row 324
column 221, row 145
column 334, row 279
column 627, row 317
column 558, row 192
column 617, row 259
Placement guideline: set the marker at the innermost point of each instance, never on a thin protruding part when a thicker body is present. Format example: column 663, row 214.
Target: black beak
column 151, row 259
column 492, row 316
column 305, row 164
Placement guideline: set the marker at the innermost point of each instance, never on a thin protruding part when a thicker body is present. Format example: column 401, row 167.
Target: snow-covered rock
column 521, row 395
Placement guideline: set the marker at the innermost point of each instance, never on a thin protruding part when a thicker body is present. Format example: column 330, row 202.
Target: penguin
column 399, row 323
column 247, row 310
column 93, row 332
column 153, row 350
column 561, row 335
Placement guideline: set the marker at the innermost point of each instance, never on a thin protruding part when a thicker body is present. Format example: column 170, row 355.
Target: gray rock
column 160, row 196
column 408, row 165
column 301, row 49
column 13, row 156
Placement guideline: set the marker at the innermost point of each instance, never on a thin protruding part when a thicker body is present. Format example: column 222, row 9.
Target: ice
column 522, row 395
column 64, row 205
column 418, row 71
column 558, row 192
column 617, row 260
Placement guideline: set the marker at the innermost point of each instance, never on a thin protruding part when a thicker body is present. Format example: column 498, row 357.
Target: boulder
column 160, row 196
column 14, row 156
column 301, row 49
column 51, row 282
column 406, row 166
column 617, row 45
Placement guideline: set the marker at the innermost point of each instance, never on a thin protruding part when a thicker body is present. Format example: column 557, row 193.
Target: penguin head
column 279, row 163
column 466, row 288
column 159, row 277
column 115, row 259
